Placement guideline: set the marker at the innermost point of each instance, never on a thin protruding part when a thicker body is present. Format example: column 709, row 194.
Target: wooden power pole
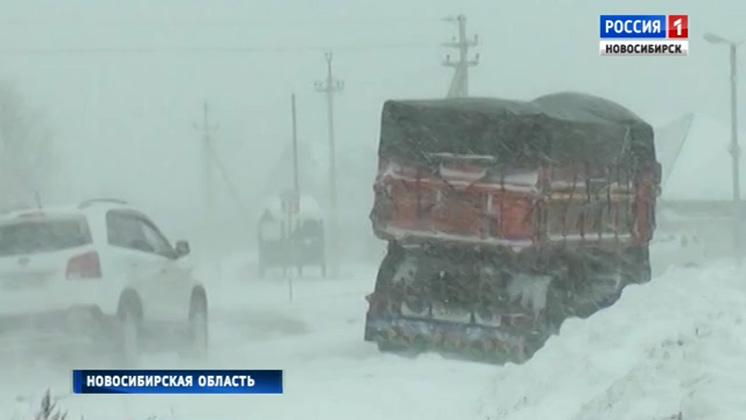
column 329, row 87
column 296, row 184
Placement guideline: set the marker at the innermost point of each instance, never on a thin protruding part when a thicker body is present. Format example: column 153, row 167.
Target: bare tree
column 26, row 150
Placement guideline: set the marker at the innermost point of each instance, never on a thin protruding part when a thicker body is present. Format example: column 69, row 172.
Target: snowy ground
column 677, row 345
column 317, row 340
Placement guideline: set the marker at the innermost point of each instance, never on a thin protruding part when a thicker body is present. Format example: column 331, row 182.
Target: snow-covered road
column 317, row 340
column 676, row 345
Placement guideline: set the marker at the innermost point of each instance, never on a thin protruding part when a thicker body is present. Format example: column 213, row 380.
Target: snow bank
column 674, row 347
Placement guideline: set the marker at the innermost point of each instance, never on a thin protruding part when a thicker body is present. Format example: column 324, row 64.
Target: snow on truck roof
column 561, row 127
column 571, row 106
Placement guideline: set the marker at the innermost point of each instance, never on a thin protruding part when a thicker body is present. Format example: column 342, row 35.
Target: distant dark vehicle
column 290, row 239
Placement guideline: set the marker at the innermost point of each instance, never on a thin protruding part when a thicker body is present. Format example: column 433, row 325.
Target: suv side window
column 156, row 240
column 132, row 231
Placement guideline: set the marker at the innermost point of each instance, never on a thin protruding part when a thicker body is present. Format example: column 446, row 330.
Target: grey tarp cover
column 561, row 128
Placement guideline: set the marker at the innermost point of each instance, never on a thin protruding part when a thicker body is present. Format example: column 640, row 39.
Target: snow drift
column 671, row 349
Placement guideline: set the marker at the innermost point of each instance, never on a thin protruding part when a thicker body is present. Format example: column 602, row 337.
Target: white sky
column 124, row 120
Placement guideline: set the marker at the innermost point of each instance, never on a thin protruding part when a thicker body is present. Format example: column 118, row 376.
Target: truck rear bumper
column 465, row 340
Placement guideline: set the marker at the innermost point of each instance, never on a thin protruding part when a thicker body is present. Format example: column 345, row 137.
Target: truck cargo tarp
column 558, row 128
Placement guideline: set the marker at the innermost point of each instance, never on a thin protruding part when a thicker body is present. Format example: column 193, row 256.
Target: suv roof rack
column 101, row 200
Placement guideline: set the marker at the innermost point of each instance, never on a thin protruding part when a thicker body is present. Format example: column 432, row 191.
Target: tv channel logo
column 651, row 35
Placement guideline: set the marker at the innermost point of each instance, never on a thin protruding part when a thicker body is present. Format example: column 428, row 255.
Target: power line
column 205, row 50
column 226, row 179
column 342, row 21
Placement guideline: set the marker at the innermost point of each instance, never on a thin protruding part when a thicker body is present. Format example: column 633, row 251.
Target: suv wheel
column 198, row 328
column 129, row 345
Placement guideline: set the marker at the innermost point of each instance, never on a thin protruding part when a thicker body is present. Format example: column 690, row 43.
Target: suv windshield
column 31, row 237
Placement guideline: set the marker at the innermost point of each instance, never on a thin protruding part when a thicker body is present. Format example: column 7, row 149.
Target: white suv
column 101, row 269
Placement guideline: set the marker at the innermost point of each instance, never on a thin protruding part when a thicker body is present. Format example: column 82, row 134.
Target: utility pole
column 296, row 185
column 735, row 149
column 329, row 87
column 208, row 191
column 208, row 187
column 460, row 83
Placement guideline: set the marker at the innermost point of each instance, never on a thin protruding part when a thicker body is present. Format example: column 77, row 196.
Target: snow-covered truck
column 504, row 218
